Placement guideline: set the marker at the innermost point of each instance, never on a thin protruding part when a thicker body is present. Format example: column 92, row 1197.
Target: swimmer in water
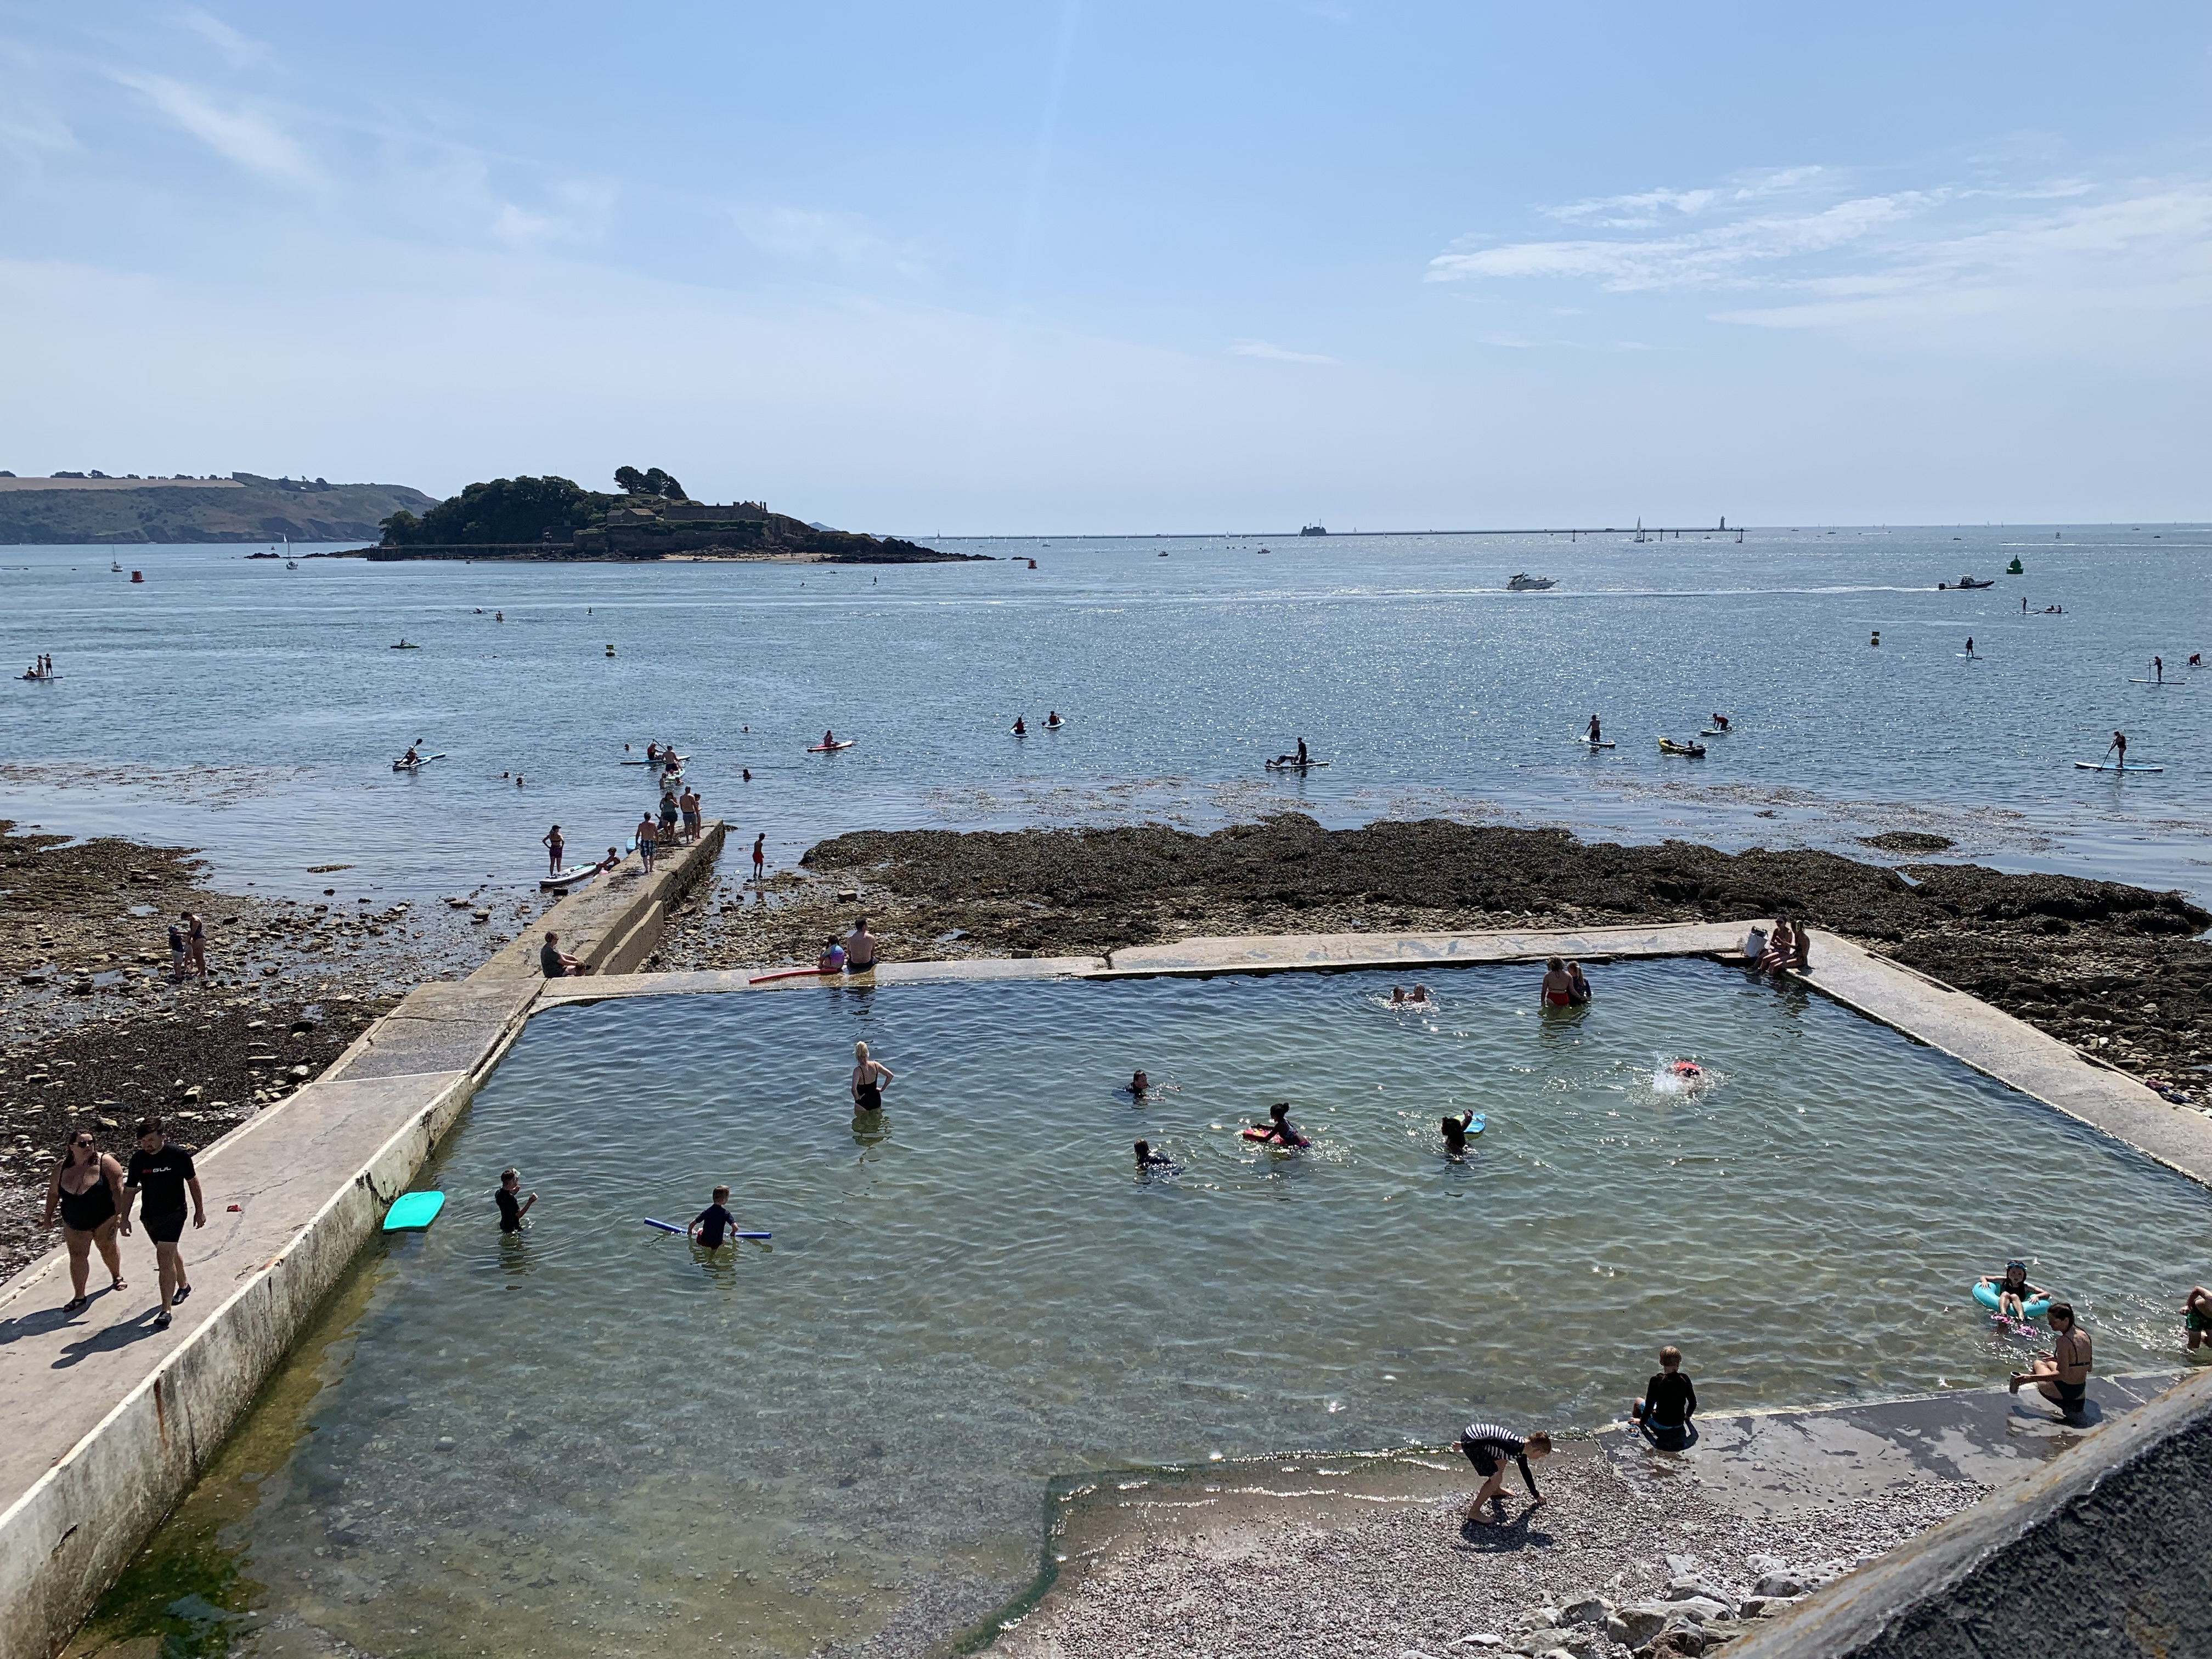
column 2013, row 1292
column 870, row 1078
column 1148, row 1159
column 1454, row 1130
column 1277, row 1131
column 1140, row 1085
column 1558, row 990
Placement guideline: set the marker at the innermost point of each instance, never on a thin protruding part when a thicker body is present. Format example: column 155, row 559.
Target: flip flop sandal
column 77, row 1306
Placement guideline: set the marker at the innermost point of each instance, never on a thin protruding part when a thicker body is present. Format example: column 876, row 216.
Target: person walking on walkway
column 88, row 1190
column 648, row 841
column 158, row 1176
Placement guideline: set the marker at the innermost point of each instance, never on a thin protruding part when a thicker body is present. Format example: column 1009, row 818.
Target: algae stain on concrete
column 190, row 1593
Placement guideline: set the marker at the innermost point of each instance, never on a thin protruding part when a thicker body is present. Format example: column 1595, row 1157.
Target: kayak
column 2107, row 766
column 1694, row 751
column 830, row 748
column 417, row 764
column 1294, row 766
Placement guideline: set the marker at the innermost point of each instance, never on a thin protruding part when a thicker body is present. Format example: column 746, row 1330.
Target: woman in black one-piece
column 83, row 1189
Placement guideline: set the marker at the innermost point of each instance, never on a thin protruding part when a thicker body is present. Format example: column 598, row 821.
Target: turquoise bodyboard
column 413, row 1210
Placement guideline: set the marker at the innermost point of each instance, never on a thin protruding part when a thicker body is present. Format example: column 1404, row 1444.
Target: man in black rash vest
column 1487, row 1446
column 1670, row 1402
column 157, row 1177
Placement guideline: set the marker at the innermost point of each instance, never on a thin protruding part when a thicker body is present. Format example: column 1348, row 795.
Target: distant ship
column 1525, row 583
column 1314, row 529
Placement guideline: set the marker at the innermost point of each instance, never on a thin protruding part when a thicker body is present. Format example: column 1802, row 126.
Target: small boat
column 116, row 565
column 405, row 646
column 417, row 763
column 291, row 564
column 137, row 575
column 1693, row 750
column 1963, row 583
column 1525, row 583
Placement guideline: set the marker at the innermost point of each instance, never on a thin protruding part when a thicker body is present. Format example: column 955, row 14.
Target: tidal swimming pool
column 594, row 1439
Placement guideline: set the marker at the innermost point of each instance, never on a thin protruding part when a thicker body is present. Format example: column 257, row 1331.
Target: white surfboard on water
column 2107, row 766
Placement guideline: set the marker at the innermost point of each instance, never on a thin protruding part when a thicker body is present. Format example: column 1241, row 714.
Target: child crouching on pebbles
column 1487, row 1446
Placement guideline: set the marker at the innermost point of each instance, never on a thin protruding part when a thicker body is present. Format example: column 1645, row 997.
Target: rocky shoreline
column 93, row 1033
column 2116, row 970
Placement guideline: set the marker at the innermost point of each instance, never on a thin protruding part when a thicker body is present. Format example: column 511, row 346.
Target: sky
column 1072, row 266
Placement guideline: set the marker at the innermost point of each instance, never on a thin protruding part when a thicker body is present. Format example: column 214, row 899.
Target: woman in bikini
column 1558, row 990
column 870, row 1078
column 88, row 1190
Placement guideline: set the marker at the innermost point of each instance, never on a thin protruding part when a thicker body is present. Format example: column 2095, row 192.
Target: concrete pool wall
column 106, row 1424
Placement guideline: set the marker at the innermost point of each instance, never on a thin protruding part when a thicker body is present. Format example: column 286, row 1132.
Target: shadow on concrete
column 108, row 1339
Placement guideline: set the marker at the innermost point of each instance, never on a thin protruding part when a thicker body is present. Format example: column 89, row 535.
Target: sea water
column 595, row 1438
column 254, row 710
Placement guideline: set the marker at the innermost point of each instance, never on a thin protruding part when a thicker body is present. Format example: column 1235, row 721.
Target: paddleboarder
column 1596, row 732
column 2119, row 743
column 2158, row 671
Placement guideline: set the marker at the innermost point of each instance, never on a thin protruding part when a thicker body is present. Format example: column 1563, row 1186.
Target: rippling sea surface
column 594, row 1438
column 254, row 710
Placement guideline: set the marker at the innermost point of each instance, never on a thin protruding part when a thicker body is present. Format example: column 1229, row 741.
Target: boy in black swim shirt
column 713, row 1222
column 511, row 1208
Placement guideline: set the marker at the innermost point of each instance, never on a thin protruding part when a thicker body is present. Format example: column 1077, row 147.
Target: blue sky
column 1046, row 265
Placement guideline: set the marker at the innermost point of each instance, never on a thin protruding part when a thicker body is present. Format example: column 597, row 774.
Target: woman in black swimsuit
column 869, row 1077
column 88, row 1190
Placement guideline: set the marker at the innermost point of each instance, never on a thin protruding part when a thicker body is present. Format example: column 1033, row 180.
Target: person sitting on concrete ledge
column 832, row 960
column 612, row 860
column 859, row 948
column 554, row 962
column 2062, row 1376
column 1787, row 948
column 2197, row 1317
column 1670, row 1399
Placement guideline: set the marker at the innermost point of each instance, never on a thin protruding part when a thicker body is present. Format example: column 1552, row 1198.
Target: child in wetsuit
column 714, row 1223
column 511, row 1208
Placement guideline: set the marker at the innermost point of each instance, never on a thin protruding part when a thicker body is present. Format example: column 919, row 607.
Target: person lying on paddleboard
column 1720, row 722
column 1454, row 1130
column 1276, row 1130
column 2013, row 1292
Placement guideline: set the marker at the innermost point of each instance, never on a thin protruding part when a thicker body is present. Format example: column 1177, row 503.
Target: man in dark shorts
column 554, row 961
column 2062, row 1376
column 1487, row 1446
column 156, row 1179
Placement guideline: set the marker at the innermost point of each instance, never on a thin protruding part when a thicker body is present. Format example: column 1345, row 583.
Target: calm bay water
column 254, row 710
column 594, row 1439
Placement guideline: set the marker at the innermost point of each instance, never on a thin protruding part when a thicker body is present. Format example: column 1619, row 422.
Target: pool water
column 594, row 1438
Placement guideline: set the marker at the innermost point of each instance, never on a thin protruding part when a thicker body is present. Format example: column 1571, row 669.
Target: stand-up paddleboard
column 2176, row 684
column 411, row 1211
column 1711, row 732
column 793, row 972
column 671, row 1227
column 2107, row 766
column 830, row 748
column 38, row 677
column 570, row 876
column 1969, row 656
column 1294, row 766
column 1597, row 742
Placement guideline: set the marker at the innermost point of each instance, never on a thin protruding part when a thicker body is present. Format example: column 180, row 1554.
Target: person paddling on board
column 1020, row 730
column 410, row 758
column 1596, row 732
column 1276, row 1130
column 1970, row 645
column 2158, row 671
column 1720, row 722
column 1052, row 719
column 829, row 739
column 2120, row 743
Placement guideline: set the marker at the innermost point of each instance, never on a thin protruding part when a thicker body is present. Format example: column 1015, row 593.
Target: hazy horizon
column 1041, row 261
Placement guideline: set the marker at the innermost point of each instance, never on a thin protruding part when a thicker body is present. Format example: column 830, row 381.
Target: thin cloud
column 1274, row 353
column 239, row 48
column 818, row 237
column 245, row 137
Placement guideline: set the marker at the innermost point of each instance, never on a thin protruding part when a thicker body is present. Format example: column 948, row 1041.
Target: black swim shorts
column 163, row 1227
column 1486, row 1465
